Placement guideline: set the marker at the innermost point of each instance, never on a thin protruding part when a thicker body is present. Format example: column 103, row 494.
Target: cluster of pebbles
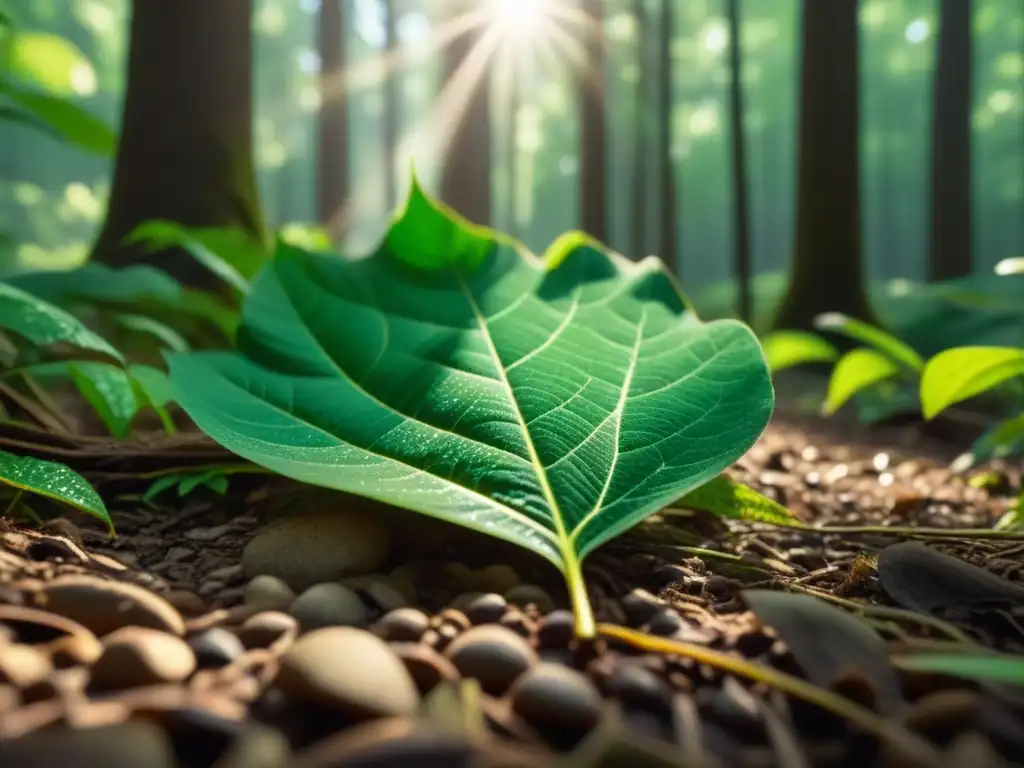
column 315, row 649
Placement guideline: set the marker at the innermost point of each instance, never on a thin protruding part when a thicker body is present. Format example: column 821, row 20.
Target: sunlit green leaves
column 457, row 375
column 964, row 372
column 210, row 247
column 44, row 324
column 726, row 498
column 866, row 333
column 989, row 667
column 49, row 62
column 62, row 118
column 856, row 371
column 784, row 349
column 1011, row 266
column 54, row 481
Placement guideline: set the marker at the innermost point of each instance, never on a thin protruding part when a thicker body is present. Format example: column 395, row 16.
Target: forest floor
column 159, row 648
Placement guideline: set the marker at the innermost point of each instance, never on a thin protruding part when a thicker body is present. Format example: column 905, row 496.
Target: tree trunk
column 641, row 136
column 332, row 126
column 185, row 151
column 389, row 123
column 667, row 220
column 466, row 174
column 593, row 135
column 826, row 273
column 950, row 245
column 740, row 209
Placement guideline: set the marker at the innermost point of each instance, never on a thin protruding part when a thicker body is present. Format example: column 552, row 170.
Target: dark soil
column 680, row 576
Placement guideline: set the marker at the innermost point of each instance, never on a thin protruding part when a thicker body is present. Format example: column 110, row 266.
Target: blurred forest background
column 668, row 148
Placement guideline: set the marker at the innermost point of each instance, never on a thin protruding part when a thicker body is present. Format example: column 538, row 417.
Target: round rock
column 558, row 701
column 492, row 654
column 135, row 744
column 404, row 625
column 268, row 628
column 487, row 608
column 268, row 593
column 215, row 648
column 137, row 656
column 317, row 547
column 557, row 630
column 104, row 606
column 329, row 605
column 530, row 594
column 350, row 671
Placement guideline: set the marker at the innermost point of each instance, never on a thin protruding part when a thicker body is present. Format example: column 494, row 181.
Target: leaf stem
column 586, row 627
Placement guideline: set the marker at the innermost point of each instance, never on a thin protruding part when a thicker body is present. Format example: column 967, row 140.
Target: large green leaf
column 69, row 121
column 55, row 481
column 855, row 372
column 553, row 403
column 961, row 373
column 868, row 334
column 44, row 324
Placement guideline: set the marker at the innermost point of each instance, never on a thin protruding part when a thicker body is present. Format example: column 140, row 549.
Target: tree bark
column 641, row 136
column 332, row 166
column 950, row 235
column 593, row 132
column 826, row 273
column 668, row 204
column 741, row 208
column 466, row 174
column 185, row 151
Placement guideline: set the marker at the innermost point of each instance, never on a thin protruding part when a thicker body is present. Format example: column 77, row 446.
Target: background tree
column 590, row 80
column 740, row 211
column 950, row 188
column 668, row 202
column 639, row 217
column 389, row 124
column 332, row 124
column 826, row 273
column 185, row 151
column 465, row 175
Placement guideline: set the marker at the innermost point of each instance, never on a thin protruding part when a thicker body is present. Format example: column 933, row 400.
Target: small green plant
column 552, row 402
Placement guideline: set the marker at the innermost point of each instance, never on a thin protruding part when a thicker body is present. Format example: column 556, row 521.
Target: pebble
column 103, row 606
column 427, row 666
column 635, row 685
column 524, row 595
column 185, row 602
column 72, row 650
column 487, row 608
column 640, row 606
column 267, row 629
column 316, row 547
column 350, row 671
column 455, row 618
column 215, row 648
column 22, row 665
column 138, row 656
column 403, row 625
column 208, row 534
column 557, row 630
column 665, row 623
column 133, row 744
column 559, row 702
column 268, row 593
column 385, row 596
column 495, row 578
column 518, row 623
column 492, row 654
column 329, row 605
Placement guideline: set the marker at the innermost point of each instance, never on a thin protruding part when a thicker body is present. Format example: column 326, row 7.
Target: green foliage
column 53, row 481
column 958, row 374
column 784, row 349
column 550, row 403
column 987, row 667
column 865, row 333
column 215, row 480
column 725, row 498
column 856, row 371
column 1011, row 266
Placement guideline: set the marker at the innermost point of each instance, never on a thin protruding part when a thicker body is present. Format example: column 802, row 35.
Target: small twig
column 14, row 502
column 891, row 731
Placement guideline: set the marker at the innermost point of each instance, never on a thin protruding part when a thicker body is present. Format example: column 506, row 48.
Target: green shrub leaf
column 961, row 373
column 726, row 498
column 463, row 378
column 855, row 372
column 874, row 337
column 1011, row 266
column 784, row 349
column 69, row 121
column 988, row 667
column 159, row 235
column 54, row 481
column 107, row 388
column 44, row 324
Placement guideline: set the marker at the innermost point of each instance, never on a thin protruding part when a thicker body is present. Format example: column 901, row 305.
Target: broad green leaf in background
column 161, row 331
column 107, row 388
column 553, row 404
column 219, row 250
column 725, row 498
column 988, row 667
column 963, row 372
column 1011, row 266
column 49, row 62
column 855, row 372
column 69, row 121
column 311, row 237
column 44, row 324
column 55, row 481
column 784, row 349
column 874, row 337
column 154, row 384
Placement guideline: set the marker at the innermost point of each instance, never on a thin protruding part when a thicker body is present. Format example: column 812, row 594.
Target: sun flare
column 518, row 19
